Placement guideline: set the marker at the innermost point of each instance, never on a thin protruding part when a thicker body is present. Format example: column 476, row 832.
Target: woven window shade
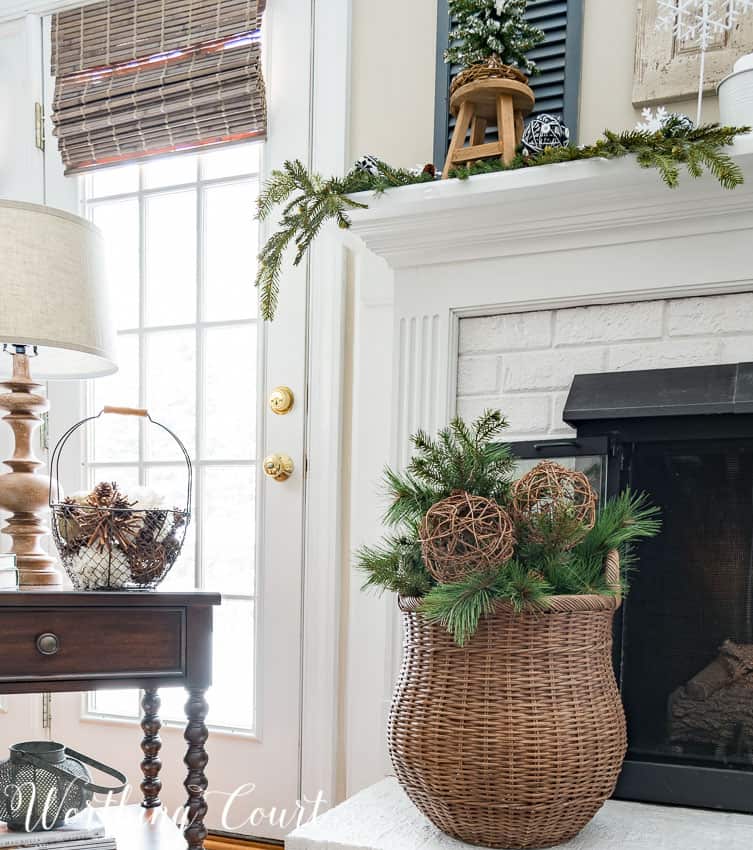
column 137, row 78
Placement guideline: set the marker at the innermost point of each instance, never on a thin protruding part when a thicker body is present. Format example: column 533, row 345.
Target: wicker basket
column 493, row 68
column 517, row 739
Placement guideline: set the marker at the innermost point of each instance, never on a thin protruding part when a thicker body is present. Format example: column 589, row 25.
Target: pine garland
column 492, row 28
column 310, row 200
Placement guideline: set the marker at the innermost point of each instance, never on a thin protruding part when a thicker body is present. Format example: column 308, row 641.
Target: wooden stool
column 478, row 103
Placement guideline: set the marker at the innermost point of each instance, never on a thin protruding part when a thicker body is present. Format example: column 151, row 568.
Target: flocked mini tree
column 492, row 29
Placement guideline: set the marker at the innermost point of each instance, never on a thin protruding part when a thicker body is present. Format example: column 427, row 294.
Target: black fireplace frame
column 611, row 413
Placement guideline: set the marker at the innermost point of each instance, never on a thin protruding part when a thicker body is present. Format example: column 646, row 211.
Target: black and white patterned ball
column 544, row 131
column 368, row 165
column 679, row 123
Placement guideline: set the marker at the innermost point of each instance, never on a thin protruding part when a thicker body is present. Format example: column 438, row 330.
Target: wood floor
column 217, row 842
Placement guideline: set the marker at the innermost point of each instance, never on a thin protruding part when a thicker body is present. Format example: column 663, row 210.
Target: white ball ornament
column 368, row 164
column 544, row 131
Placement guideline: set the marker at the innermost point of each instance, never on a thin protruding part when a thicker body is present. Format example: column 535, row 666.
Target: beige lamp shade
column 54, row 292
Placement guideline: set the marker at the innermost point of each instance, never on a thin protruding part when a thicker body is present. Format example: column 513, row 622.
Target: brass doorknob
column 277, row 466
column 281, row 400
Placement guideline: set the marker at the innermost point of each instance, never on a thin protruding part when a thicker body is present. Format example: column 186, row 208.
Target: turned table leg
column 196, row 760
column 151, row 745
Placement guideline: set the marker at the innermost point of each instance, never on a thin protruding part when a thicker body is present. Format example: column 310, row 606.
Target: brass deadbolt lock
column 277, row 466
column 281, row 400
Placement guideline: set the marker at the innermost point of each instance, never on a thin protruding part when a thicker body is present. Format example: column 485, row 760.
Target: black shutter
column 558, row 58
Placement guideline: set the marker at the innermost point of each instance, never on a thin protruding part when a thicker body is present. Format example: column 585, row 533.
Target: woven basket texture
column 517, row 739
column 493, row 68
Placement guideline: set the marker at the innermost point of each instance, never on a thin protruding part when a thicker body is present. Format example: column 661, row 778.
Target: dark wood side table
column 57, row 640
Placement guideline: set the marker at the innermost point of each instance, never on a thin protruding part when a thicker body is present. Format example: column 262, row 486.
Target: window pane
column 170, row 224
column 119, row 222
column 231, row 246
column 230, row 161
column 228, row 525
column 113, row 181
column 169, row 171
column 116, row 438
column 170, row 392
column 230, row 393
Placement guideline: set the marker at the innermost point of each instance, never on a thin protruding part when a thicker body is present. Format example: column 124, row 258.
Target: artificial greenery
column 486, row 29
column 471, row 459
column 698, row 149
column 310, row 200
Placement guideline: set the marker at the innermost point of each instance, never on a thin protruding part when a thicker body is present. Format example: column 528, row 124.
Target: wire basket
column 110, row 544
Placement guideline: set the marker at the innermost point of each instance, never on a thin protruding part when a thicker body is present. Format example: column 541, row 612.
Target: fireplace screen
column 687, row 631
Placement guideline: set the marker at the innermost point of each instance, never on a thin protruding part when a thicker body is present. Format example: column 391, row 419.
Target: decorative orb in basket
column 109, row 541
column 464, row 534
column 516, row 739
column 553, row 499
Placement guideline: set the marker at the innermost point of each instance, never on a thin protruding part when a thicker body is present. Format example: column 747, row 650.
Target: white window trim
column 329, row 40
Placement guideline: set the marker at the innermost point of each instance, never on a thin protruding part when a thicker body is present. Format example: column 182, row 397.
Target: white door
column 182, row 245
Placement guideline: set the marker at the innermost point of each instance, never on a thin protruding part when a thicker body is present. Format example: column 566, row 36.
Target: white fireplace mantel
column 547, row 208
column 428, row 256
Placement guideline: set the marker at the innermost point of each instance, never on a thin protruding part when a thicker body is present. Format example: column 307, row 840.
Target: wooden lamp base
column 24, row 492
column 499, row 101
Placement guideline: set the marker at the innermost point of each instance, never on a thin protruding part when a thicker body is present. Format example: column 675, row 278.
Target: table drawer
column 72, row 643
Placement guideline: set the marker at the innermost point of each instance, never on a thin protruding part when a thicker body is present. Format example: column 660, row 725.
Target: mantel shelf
column 589, row 202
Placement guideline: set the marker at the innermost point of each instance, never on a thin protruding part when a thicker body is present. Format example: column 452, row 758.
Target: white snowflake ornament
column 652, row 121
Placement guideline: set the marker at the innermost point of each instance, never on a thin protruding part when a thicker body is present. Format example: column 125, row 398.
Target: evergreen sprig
column 310, row 200
column 461, row 457
column 492, row 28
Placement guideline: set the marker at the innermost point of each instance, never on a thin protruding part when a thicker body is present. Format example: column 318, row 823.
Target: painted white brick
column 664, row 355
column 609, row 322
column 526, row 414
column 711, row 315
column 477, row 375
column 558, row 424
column 549, row 370
column 737, row 349
column 512, row 332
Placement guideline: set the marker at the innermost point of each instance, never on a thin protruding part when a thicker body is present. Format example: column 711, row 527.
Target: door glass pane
column 228, row 520
column 169, row 171
column 229, row 265
column 119, row 223
column 170, row 258
column 170, row 379
column 170, row 482
column 113, row 181
column 231, row 161
column 230, row 364
column 116, row 438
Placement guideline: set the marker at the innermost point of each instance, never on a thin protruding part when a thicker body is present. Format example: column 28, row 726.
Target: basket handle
column 122, row 411
column 612, row 570
column 126, row 411
column 66, row 775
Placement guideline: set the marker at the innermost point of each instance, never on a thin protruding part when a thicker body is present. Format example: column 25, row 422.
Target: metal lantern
column 43, row 782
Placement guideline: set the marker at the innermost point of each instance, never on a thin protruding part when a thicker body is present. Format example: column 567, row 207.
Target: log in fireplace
column 684, row 642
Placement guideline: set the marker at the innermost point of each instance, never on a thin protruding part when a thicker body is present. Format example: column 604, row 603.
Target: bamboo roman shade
column 135, row 78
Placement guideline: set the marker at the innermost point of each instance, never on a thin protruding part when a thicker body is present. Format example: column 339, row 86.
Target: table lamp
column 55, row 322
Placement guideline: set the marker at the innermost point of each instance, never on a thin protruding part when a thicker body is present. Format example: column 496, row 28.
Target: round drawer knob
column 48, row 644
